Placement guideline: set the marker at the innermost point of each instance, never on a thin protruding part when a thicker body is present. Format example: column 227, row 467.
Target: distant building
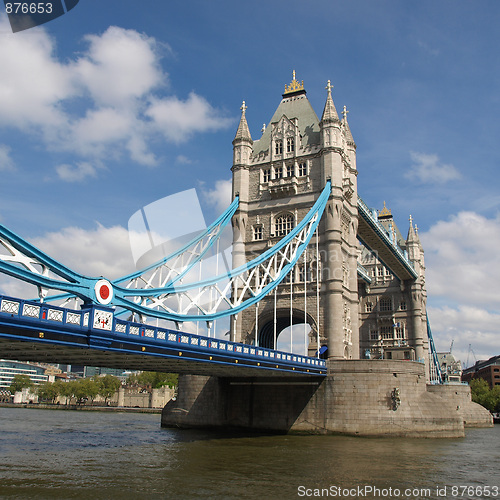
column 451, row 368
column 489, row 370
column 90, row 371
column 8, row 369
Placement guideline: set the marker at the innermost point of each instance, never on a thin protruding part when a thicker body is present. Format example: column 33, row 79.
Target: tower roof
column 294, row 104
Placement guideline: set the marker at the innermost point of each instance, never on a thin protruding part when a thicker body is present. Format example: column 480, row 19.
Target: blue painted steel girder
column 374, row 236
column 93, row 336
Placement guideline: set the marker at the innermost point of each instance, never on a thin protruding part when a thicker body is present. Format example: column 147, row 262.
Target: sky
column 117, row 104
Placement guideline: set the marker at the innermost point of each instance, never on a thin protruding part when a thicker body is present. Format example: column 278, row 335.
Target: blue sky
column 119, row 103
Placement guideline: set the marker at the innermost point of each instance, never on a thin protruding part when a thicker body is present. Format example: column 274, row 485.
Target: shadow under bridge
column 267, row 329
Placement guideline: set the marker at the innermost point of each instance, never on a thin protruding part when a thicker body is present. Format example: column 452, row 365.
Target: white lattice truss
column 229, row 293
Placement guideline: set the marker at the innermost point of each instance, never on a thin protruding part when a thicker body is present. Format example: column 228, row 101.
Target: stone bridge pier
column 358, row 397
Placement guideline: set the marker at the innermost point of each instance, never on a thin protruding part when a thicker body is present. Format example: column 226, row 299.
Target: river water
column 92, row 455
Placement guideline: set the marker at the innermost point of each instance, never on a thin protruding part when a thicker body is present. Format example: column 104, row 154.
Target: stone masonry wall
column 358, row 397
column 474, row 415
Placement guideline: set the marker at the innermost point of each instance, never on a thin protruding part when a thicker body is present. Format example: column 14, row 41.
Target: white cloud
column 33, row 82
column 6, row 162
column 220, row 196
column 77, row 173
column 114, row 83
column 463, row 273
column 428, row 168
column 465, row 326
column 138, row 149
column 183, row 160
column 101, row 128
column 120, row 65
column 95, row 252
column 178, row 119
column 462, row 259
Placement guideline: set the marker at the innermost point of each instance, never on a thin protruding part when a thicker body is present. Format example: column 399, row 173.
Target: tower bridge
column 306, row 251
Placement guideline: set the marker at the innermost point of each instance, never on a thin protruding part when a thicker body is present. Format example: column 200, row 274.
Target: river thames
column 80, row 454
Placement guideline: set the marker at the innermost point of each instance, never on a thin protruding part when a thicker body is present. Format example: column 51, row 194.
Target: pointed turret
column 347, row 131
column 412, row 236
column 243, row 132
column 329, row 113
column 242, row 150
column 413, row 246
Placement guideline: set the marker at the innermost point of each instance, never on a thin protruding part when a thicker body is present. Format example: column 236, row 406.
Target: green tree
column 48, row 391
column 68, row 389
column 496, row 398
column 90, row 387
column 482, row 394
column 155, row 380
column 19, row 382
column 108, row 385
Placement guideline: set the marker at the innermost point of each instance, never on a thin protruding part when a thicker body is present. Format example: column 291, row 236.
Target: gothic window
column 402, row 305
column 258, row 233
column 283, row 224
column 374, row 335
column 387, row 333
column 385, row 304
column 302, row 169
column 369, row 307
column 278, row 172
column 290, row 145
column 400, row 332
column 266, row 175
column 278, row 147
column 380, row 272
column 289, row 170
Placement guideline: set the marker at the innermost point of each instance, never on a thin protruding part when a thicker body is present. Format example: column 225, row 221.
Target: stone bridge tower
column 278, row 178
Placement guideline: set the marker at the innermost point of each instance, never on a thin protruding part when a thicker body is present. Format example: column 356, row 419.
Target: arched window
column 290, row 145
column 283, row 224
column 385, row 304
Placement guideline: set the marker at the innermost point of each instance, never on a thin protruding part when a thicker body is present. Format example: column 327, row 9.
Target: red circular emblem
column 104, row 292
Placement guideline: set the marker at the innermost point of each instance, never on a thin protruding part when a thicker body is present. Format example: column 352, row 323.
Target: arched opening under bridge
column 291, row 336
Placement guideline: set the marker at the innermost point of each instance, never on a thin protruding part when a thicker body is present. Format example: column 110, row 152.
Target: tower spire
column 412, row 237
column 243, row 131
column 329, row 113
column 347, row 130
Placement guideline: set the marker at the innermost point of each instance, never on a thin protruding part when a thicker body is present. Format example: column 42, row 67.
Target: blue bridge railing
column 100, row 325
